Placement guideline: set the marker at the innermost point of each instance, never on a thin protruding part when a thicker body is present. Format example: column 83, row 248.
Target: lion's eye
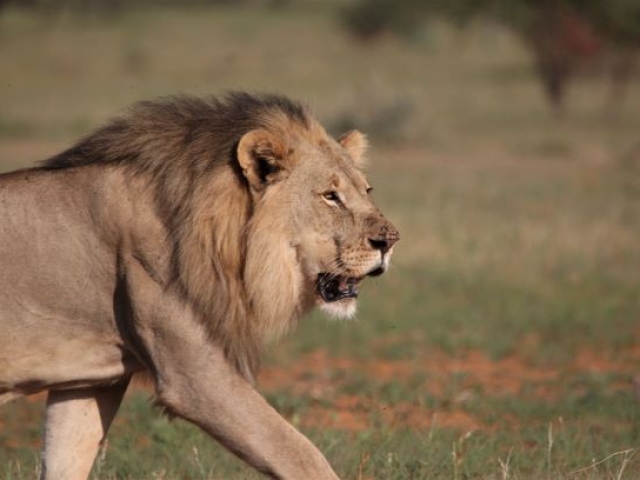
column 332, row 197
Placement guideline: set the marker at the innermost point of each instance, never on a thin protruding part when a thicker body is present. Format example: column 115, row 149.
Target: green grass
column 566, row 443
column 512, row 306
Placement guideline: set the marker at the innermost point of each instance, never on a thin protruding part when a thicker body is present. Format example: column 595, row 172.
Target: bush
column 368, row 19
column 560, row 34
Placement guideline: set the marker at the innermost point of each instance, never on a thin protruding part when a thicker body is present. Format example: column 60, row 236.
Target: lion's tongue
column 348, row 287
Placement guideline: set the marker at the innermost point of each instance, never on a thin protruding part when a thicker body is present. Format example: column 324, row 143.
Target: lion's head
column 310, row 188
column 267, row 214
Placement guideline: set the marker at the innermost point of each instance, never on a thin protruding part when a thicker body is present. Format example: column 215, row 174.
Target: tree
column 560, row 34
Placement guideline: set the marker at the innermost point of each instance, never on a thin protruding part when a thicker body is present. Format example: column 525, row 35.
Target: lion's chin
column 341, row 309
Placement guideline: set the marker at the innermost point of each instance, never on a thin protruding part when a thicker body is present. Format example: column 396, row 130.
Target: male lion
column 174, row 241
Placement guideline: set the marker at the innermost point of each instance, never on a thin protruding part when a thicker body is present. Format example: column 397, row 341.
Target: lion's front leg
column 208, row 392
column 195, row 381
column 76, row 424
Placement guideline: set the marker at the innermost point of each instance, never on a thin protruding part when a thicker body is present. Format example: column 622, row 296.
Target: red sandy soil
column 452, row 379
column 456, row 378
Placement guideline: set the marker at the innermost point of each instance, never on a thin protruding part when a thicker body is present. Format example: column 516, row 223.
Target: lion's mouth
column 332, row 288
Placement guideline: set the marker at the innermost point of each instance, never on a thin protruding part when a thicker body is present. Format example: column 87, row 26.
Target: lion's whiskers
column 335, row 271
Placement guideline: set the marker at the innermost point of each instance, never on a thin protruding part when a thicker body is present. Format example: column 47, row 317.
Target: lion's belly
column 34, row 359
column 44, row 346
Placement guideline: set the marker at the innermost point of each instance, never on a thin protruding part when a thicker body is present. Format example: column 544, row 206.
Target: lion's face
column 343, row 236
column 338, row 234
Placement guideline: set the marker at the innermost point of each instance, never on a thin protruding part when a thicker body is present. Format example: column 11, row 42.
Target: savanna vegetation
column 503, row 344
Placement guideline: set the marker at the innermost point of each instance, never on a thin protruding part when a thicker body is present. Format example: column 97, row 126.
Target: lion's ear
column 356, row 144
column 263, row 158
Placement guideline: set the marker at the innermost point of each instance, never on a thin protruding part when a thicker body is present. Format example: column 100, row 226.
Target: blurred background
column 505, row 341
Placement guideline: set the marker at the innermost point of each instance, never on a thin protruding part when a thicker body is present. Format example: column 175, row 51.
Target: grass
column 503, row 344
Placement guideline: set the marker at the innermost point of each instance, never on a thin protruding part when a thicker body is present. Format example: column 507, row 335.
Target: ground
column 335, row 403
column 504, row 341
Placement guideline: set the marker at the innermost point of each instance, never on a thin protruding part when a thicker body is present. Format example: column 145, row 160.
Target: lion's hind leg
column 76, row 423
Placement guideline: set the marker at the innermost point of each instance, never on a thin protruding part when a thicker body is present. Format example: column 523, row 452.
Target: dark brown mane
column 152, row 133
column 185, row 148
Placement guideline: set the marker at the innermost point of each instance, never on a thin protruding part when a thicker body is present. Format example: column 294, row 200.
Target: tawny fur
column 175, row 241
column 226, row 260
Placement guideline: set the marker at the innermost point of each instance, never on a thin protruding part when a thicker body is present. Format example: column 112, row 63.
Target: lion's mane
column 226, row 261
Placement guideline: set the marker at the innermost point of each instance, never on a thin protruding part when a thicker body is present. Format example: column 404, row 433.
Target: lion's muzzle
column 333, row 287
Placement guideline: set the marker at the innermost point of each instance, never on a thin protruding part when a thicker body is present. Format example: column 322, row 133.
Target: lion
column 174, row 242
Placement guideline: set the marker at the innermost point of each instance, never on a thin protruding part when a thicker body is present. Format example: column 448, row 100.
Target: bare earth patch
column 452, row 379
column 335, row 401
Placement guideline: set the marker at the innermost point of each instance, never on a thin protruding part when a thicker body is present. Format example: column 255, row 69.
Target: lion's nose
column 388, row 237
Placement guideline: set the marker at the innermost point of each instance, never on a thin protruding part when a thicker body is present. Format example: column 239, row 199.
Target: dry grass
column 519, row 240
